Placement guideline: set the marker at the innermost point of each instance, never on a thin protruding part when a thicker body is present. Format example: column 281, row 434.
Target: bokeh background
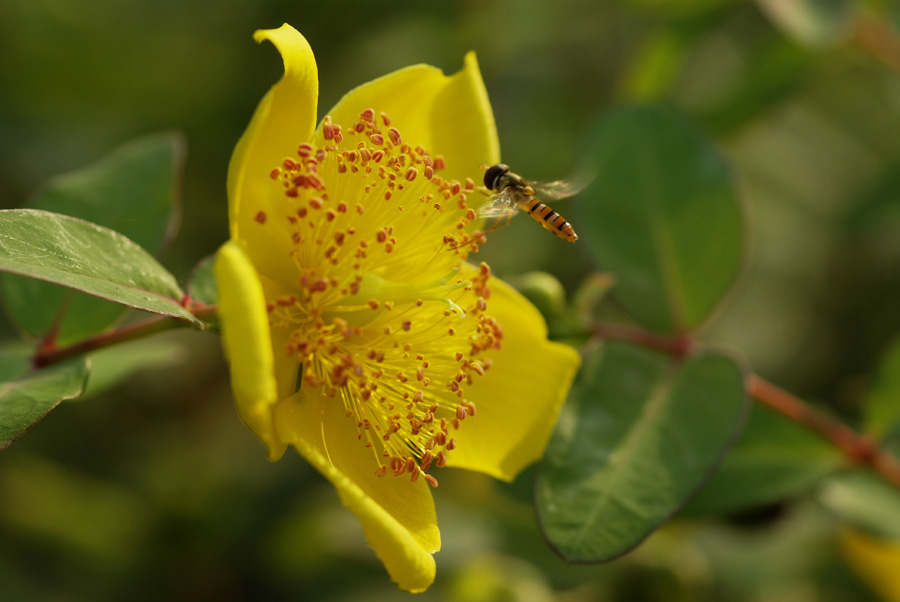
column 155, row 491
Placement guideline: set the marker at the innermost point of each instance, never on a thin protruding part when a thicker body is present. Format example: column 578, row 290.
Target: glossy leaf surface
column 638, row 436
column 86, row 257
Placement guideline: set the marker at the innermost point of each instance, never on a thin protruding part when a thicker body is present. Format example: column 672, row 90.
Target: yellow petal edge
column 397, row 515
column 448, row 115
column 248, row 343
column 526, row 388
column 284, row 118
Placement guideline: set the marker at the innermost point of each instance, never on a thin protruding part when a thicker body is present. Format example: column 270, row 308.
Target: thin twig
column 856, row 446
column 676, row 346
column 47, row 356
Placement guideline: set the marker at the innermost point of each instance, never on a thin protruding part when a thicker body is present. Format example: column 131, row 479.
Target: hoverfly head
column 493, row 174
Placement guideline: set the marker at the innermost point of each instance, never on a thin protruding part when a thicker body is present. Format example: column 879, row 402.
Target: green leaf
column 774, row 459
column 132, row 191
column 28, row 396
column 88, row 258
column 661, row 215
column 865, row 500
column 881, row 411
column 202, row 283
column 638, row 436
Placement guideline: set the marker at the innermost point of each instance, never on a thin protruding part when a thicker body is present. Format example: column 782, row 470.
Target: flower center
column 380, row 319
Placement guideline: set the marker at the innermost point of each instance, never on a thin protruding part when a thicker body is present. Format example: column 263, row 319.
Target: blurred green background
column 155, row 491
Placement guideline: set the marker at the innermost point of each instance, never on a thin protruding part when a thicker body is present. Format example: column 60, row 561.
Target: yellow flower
column 354, row 329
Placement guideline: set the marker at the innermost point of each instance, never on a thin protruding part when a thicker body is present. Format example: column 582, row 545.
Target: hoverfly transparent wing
column 500, row 204
column 501, row 207
column 562, row 189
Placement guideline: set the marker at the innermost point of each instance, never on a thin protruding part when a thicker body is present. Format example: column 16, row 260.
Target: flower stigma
column 379, row 316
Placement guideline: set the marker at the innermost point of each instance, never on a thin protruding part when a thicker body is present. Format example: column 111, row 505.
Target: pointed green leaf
column 638, row 436
column 86, row 257
column 662, row 215
column 133, row 191
column 865, row 500
column 774, row 459
column 28, row 396
column 881, row 411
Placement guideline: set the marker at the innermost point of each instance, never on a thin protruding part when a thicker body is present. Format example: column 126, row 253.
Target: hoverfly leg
column 500, row 222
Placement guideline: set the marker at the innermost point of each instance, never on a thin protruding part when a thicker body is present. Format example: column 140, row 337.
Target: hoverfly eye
column 491, row 175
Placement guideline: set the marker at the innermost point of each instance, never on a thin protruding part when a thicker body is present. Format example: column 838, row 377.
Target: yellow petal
column 448, row 115
column 285, row 118
column 875, row 560
column 397, row 515
column 247, row 342
column 519, row 398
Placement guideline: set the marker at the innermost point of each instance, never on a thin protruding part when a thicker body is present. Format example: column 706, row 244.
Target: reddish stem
column 855, row 446
column 48, row 355
column 679, row 346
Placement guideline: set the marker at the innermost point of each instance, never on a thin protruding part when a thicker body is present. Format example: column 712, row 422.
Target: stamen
column 371, row 333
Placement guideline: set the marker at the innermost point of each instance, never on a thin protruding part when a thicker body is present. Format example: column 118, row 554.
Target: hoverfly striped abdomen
column 549, row 219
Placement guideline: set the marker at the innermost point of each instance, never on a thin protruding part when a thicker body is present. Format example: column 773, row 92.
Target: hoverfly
column 512, row 192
